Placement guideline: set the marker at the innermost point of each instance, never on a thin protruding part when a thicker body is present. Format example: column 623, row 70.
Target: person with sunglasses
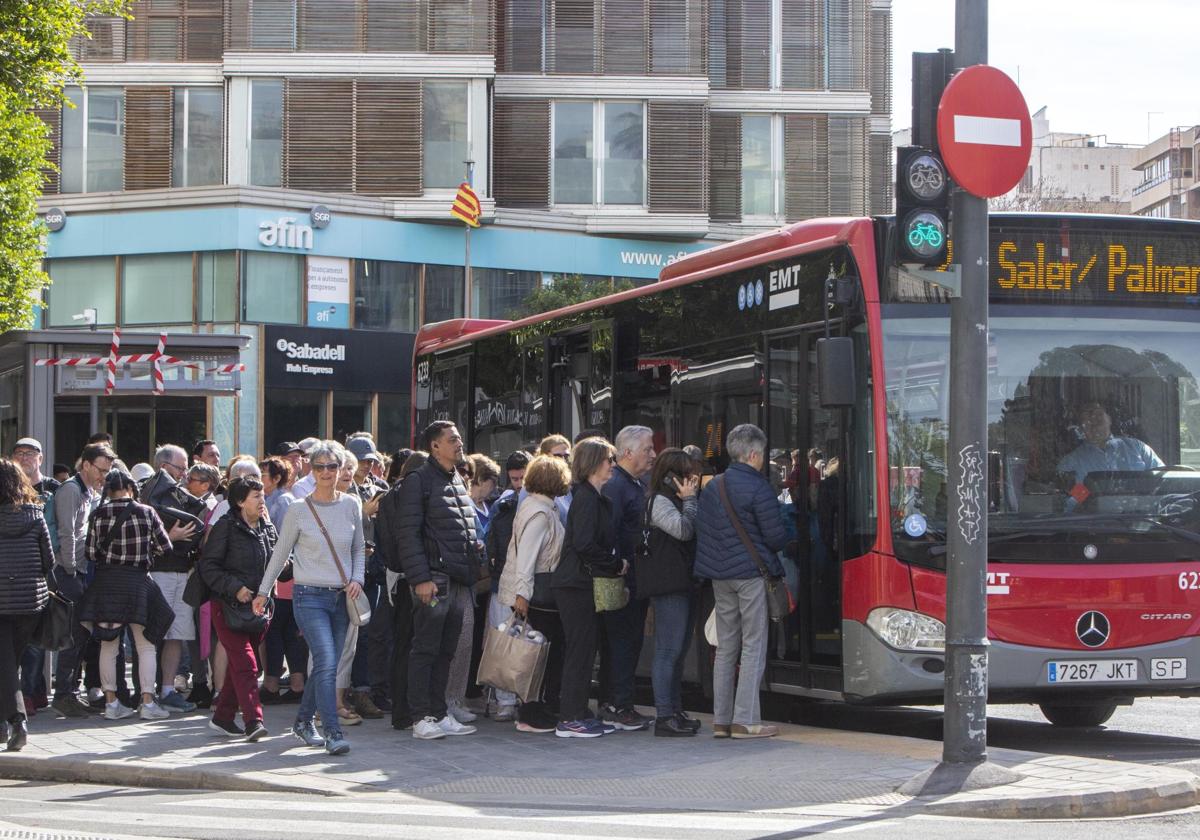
column 323, row 579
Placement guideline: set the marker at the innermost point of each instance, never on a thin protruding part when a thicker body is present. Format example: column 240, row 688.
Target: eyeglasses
column 330, row 467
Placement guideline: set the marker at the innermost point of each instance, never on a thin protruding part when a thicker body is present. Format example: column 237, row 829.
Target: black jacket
column 235, row 556
column 435, row 527
column 25, row 559
column 173, row 505
column 590, row 544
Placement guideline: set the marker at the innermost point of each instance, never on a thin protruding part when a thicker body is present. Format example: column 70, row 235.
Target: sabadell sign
column 337, row 359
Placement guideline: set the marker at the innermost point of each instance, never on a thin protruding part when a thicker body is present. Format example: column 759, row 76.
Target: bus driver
column 1101, row 450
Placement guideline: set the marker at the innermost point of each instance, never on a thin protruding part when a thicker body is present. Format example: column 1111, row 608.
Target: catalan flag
column 466, row 205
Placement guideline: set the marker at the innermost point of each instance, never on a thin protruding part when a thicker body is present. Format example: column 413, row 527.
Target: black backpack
column 499, row 534
column 387, row 520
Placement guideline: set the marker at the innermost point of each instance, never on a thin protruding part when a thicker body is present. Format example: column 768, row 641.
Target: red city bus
column 1093, row 451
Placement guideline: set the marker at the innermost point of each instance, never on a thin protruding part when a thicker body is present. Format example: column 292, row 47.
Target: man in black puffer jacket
column 437, row 545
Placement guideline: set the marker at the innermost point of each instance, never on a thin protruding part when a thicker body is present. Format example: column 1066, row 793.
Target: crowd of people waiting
column 366, row 575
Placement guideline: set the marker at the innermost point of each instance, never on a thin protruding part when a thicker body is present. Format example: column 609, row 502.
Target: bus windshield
column 1093, row 434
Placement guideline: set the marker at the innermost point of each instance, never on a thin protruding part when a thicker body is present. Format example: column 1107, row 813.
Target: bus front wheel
column 1093, row 715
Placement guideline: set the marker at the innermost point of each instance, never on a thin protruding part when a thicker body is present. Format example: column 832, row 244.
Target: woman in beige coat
column 533, row 553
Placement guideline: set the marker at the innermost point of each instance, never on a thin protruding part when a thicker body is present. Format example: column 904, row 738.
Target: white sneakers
column 153, row 711
column 430, row 728
column 460, row 712
column 427, row 729
column 116, row 710
column 452, row 727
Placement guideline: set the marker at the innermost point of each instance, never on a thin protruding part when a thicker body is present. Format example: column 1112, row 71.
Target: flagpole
column 468, row 297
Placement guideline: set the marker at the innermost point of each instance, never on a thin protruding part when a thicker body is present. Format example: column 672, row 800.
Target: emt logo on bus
column 784, row 287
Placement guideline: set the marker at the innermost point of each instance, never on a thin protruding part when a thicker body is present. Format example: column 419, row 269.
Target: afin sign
column 285, row 233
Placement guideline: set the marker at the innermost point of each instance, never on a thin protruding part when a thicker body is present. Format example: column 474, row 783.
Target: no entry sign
column 984, row 131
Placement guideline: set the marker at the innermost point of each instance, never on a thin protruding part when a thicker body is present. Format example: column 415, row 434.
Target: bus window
column 717, row 387
column 499, row 426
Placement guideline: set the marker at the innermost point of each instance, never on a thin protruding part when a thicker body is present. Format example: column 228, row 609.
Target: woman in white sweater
column 533, row 553
column 323, row 580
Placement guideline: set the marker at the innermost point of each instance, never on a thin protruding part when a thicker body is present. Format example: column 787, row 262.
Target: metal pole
column 965, row 726
column 469, row 296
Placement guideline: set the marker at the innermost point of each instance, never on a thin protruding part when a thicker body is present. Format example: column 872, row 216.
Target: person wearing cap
column 291, row 452
column 124, row 541
column 28, row 454
column 370, row 695
column 306, row 482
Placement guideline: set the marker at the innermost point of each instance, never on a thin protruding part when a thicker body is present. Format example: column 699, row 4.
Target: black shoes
column 256, row 731
column 202, row 696
column 689, row 722
column 672, row 727
column 18, row 734
column 228, row 727
column 627, row 718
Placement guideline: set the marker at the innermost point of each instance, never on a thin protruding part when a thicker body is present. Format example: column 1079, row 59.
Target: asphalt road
column 1151, row 731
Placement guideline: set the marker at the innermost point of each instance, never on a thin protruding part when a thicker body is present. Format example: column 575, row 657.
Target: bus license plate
column 1092, row 670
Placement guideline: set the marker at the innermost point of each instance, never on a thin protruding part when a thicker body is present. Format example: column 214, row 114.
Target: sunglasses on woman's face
column 325, row 467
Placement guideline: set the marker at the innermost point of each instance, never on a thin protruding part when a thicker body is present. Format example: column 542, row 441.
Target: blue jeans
column 322, row 618
column 672, row 635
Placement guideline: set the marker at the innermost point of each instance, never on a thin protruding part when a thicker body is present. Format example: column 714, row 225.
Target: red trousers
column 241, row 676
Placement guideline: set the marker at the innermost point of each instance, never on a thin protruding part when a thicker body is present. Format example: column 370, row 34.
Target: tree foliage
column 569, row 289
column 35, row 65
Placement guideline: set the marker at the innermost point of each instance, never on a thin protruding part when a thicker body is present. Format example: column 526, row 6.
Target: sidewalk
column 804, row 770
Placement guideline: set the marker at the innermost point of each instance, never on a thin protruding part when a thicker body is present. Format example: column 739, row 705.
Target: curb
column 124, row 773
column 1127, row 802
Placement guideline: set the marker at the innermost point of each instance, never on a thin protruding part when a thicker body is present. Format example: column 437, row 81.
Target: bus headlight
column 908, row 630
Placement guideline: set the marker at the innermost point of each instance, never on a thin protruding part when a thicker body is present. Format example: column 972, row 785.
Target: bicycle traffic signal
column 922, row 206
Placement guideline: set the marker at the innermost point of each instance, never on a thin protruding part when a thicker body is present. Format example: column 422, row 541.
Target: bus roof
column 801, row 237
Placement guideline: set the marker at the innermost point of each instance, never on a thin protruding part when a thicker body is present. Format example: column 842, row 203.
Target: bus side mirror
column 835, row 372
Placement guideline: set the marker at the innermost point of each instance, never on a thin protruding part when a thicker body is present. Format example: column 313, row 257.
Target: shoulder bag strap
column 737, row 523
column 115, row 529
column 328, row 540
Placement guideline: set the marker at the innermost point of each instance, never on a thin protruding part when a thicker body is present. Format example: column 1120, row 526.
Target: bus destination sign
column 1095, row 264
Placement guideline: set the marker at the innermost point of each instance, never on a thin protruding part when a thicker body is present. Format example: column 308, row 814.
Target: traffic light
column 922, row 206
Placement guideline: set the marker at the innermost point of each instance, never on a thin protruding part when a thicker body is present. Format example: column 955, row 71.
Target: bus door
column 806, row 447
column 580, row 380
column 450, row 393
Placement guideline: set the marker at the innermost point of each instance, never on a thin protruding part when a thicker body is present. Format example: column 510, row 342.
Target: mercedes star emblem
column 1092, row 628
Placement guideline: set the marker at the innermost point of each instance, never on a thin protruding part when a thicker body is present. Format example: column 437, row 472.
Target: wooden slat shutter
column 318, row 135
column 805, row 166
column 260, row 25
column 803, row 66
column 624, row 45
column 52, row 117
column 879, row 152
column 847, row 44
column 388, row 137
column 154, row 33
column 725, row 156
column 107, row 42
column 460, row 26
column 519, row 36
column 148, row 134
column 237, row 25
column 677, row 157
column 521, row 162
column 847, row 166
column 395, row 26
column 573, row 36
column 324, row 26
column 880, row 61
column 747, row 44
column 677, row 37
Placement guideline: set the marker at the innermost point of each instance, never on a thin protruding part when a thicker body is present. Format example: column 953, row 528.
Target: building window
column 217, row 282
column 78, row 284
column 615, row 175
column 499, row 293
column 271, row 288
column 197, row 156
column 156, row 289
column 385, row 295
column 393, row 427
column 444, row 136
column 760, row 194
column 273, row 24
column 444, row 286
column 93, row 140
column 266, row 132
